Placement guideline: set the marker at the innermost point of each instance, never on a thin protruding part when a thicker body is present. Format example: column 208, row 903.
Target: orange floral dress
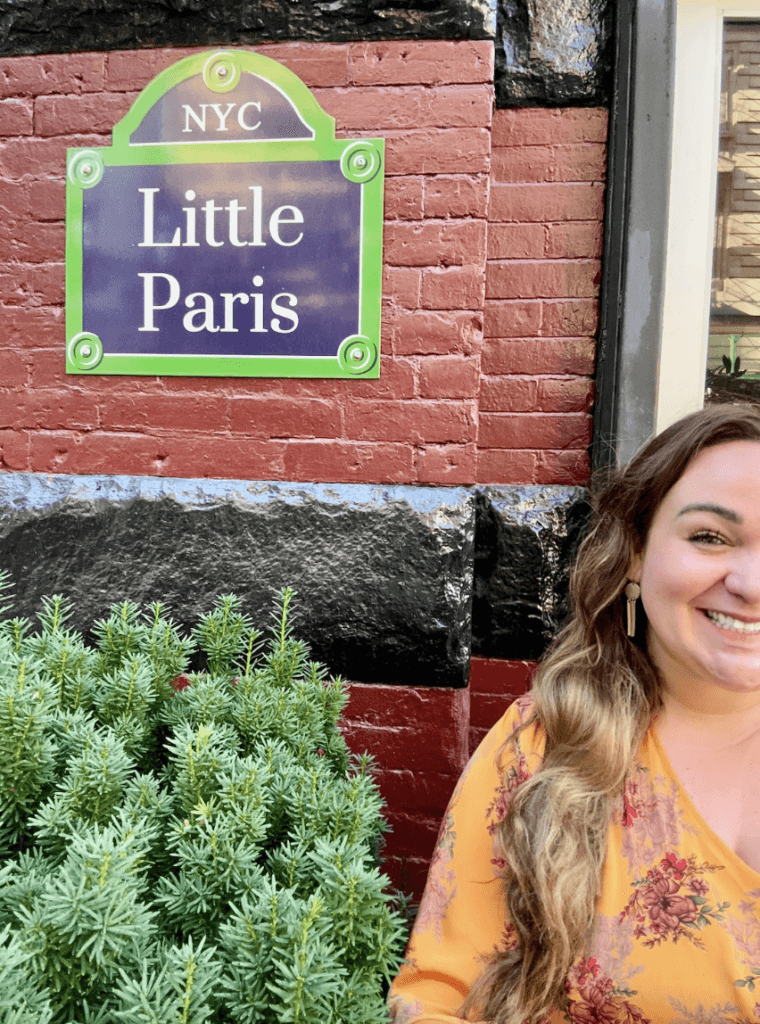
column 677, row 933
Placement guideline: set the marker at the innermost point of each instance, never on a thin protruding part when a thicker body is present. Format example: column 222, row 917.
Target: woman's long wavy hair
column 594, row 697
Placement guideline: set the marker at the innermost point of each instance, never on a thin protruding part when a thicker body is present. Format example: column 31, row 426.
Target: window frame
column 655, row 301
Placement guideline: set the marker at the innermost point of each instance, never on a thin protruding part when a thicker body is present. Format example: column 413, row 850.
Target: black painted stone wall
column 63, row 26
column 553, row 52
column 547, row 52
column 396, row 584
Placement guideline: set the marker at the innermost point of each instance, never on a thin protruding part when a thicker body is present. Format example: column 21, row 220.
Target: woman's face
column 700, row 575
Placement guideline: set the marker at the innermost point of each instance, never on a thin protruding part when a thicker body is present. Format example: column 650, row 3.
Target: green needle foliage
column 180, row 848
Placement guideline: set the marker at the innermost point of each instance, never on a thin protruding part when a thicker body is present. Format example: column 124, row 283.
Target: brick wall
column 449, row 408
column 542, row 285
column 421, row 739
column 432, row 101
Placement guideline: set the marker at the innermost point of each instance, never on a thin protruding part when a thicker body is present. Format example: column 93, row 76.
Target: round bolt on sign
column 226, row 232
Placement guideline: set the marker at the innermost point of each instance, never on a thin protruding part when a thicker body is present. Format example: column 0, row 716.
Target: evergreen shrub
column 183, row 846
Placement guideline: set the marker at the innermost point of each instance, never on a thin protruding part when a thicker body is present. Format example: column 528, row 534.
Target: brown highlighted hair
column 594, row 696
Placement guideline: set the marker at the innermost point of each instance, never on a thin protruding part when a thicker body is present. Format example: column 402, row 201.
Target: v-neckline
column 691, row 808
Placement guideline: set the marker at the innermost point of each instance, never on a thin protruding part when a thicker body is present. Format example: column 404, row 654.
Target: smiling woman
column 600, row 859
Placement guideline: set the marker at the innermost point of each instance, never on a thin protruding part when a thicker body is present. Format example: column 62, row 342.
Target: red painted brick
column 516, row 241
column 28, row 285
column 285, row 417
column 316, row 64
column 48, row 410
column 16, row 117
column 203, row 413
column 15, row 370
column 507, row 467
column 443, row 750
column 449, row 377
column 487, row 708
column 403, row 198
column 476, row 737
column 456, row 196
column 29, row 242
column 47, row 199
column 565, row 355
column 222, row 457
column 411, row 834
column 40, row 158
column 440, row 151
column 15, row 200
column 407, row 875
column 522, row 163
column 447, row 464
column 494, row 675
column 128, row 70
column 534, row 430
column 408, row 707
column 402, row 285
column 14, row 450
column 49, row 369
column 32, row 327
column 424, row 792
column 96, row 452
column 453, row 288
column 563, row 467
column 508, row 394
column 443, row 333
column 62, row 115
column 410, row 422
column 546, row 202
column 535, row 279
column 426, row 63
column 397, row 380
column 414, row 107
column 570, row 319
column 435, row 243
column 535, row 126
column 573, row 394
column 573, row 240
column 341, row 461
column 535, row 394
column 584, row 162
column 53, row 73
column 511, row 319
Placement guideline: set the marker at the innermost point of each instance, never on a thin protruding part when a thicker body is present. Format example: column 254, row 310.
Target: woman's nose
column 743, row 579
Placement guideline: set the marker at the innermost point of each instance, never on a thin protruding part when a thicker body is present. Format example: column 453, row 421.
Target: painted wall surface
column 491, row 275
column 487, row 333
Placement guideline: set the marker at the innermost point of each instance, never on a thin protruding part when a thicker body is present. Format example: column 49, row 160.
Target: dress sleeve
column 461, row 920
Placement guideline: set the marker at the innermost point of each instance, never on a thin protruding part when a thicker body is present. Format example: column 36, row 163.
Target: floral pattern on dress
column 402, row 1010
column 595, row 997
column 652, row 819
column 725, row 1013
column 671, row 902
column 744, row 928
column 441, row 885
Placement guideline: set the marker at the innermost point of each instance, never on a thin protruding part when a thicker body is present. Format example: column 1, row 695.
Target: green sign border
column 362, row 160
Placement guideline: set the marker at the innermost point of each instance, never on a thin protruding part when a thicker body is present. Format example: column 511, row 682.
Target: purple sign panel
column 225, row 232
column 226, row 259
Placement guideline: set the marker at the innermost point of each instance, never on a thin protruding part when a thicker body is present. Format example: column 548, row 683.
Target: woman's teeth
column 728, row 622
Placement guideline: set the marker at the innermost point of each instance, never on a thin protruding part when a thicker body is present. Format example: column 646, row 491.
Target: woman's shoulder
column 518, row 732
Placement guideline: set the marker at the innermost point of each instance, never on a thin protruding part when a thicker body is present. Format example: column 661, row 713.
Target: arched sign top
column 226, row 232
column 223, row 97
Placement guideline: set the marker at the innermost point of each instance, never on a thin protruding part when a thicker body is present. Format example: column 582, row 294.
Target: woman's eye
column 707, row 537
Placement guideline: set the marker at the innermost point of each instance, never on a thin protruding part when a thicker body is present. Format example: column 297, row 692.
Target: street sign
column 226, row 232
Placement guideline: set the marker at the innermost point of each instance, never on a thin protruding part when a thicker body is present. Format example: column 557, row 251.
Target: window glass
column 733, row 360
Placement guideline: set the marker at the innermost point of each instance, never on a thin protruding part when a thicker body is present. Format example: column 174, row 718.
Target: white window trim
column 691, row 212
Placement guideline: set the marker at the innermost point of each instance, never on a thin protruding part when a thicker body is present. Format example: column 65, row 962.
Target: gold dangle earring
column 632, row 594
